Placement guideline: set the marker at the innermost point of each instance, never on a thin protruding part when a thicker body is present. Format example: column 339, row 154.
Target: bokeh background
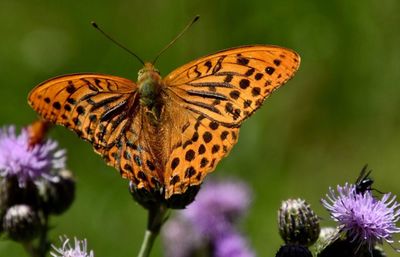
column 340, row 111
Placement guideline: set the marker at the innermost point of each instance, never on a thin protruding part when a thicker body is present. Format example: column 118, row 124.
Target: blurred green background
column 339, row 112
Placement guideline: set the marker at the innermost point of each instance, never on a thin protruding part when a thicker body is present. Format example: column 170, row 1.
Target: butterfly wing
column 216, row 93
column 195, row 146
column 230, row 85
column 103, row 110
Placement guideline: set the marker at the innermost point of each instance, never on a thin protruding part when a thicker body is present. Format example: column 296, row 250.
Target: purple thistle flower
column 217, row 206
column 207, row 225
column 365, row 219
column 18, row 158
column 180, row 239
column 66, row 250
column 232, row 245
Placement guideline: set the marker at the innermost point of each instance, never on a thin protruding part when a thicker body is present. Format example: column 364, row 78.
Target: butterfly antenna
column 94, row 24
column 196, row 18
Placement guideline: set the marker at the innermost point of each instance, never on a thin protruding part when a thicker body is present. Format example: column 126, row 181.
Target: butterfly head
column 148, row 71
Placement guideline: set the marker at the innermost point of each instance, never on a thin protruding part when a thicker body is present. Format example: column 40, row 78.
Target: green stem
column 156, row 218
column 30, row 249
column 40, row 250
column 147, row 244
column 43, row 246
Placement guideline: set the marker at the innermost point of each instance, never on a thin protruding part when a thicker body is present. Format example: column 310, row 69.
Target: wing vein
column 207, row 94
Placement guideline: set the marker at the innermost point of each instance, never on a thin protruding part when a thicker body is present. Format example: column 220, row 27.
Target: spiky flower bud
column 21, row 223
column 11, row 193
column 293, row 251
column 298, row 224
column 58, row 193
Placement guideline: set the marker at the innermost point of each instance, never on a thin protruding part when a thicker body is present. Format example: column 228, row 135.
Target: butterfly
column 166, row 134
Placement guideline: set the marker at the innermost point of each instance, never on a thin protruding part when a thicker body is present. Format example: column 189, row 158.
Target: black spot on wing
column 71, row 87
column 269, row 70
column 277, row 62
column 242, row 60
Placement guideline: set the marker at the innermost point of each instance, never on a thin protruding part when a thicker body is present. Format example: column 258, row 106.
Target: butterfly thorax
column 150, row 83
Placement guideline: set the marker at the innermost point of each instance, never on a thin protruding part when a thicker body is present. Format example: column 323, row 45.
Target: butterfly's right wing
column 101, row 109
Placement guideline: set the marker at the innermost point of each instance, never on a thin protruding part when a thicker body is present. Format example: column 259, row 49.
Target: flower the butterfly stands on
column 166, row 134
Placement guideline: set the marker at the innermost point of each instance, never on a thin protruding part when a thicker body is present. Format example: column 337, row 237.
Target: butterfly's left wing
column 229, row 86
column 193, row 147
column 216, row 93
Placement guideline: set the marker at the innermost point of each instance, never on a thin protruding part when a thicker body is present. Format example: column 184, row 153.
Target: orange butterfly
column 167, row 134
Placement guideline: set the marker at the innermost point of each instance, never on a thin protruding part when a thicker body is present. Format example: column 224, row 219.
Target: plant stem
column 40, row 250
column 43, row 246
column 156, row 218
column 29, row 249
column 147, row 243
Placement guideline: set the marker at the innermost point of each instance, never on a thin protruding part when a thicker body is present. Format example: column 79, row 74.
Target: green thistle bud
column 11, row 193
column 298, row 224
column 58, row 194
column 21, row 223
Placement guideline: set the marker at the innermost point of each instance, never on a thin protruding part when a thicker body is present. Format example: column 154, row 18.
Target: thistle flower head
column 27, row 162
column 218, row 205
column 67, row 250
column 180, row 238
column 232, row 245
column 365, row 219
column 207, row 226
